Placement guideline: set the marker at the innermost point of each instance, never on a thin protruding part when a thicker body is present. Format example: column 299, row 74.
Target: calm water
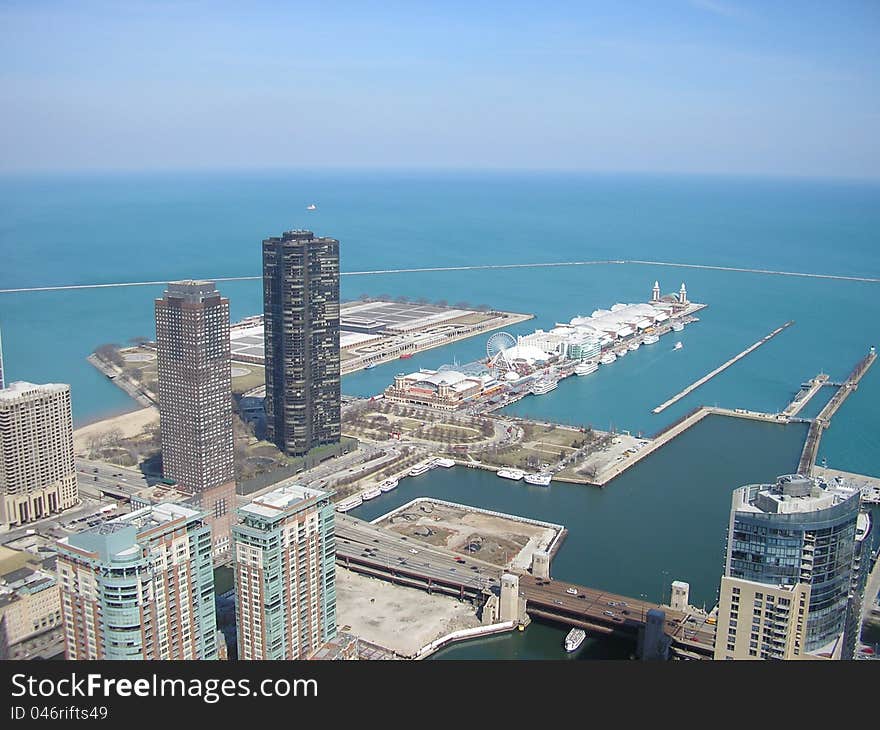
column 152, row 227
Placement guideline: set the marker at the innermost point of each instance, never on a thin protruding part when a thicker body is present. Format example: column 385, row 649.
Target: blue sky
column 688, row 86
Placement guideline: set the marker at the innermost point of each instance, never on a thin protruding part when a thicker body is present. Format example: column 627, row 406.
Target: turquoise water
column 669, row 513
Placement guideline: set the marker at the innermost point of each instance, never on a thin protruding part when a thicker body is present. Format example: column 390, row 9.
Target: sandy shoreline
column 130, row 424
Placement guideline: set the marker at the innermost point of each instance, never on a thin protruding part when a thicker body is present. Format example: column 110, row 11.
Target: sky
column 671, row 86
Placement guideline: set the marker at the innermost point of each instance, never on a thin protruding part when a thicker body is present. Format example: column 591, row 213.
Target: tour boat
column 542, row 480
column 574, row 639
column 514, row 474
column 677, row 326
column 346, row 504
column 419, row 469
column 544, row 385
column 651, row 340
column 388, row 485
column 371, row 493
column 608, row 358
column 585, row 368
column 621, row 352
column 678, row 346
column 633, row 346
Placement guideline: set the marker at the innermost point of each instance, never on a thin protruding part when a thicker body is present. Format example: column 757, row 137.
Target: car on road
column 608, row 613
column 571, row 591
column 414, row 551
column 559, row 603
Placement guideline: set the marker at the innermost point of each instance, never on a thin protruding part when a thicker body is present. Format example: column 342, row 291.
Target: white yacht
column 419, row 469
column 586, row 368
column 542, row 479
column 633, row 346
column 678, row 346
column 346, row 504
column 574, row 639
column 514, row 474
column 677, row 326
column 608, row 358
column 312, row 207
column 621, row 352
column 445, row 463
column 651, row 340
column 371, row 493
column 544, row 385
column 388, row 485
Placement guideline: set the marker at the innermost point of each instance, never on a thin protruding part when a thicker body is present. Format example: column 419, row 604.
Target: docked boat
column 585, row 368
column 677, row 326
column 633, row 346
column 542, row 479
column 608, row 358
column 388, row 485
column 350, row 503
column 678, row 346
column 445, row 463
column 544, row 385
column 370, row 366
column 419, row 469
column 621, row 352
column 371, row 493
column 574, row 639
column 651, row 340
column 406, row 356
column 514, row 474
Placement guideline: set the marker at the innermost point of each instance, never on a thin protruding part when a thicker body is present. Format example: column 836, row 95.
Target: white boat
column 445, row 463
column 388, row 485
column 419, row 469
column 633, row 346
column 544, row 385
column 542, row 480
column 678, row 346
column 608, row 358
column 621, row 352
column 651, row 340
column 370, row 366
column 350, row 503
column 585, row 368
column 371, row 493
column 312, row 207
column 574, row 639
column 677, row 326
column 514, row 474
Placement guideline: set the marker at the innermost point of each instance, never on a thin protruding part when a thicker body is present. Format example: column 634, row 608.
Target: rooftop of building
column 278, row 501
column 22, row 388
column 792, row 493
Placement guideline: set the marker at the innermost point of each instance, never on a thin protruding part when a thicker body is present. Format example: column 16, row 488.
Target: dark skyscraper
column 301, row 307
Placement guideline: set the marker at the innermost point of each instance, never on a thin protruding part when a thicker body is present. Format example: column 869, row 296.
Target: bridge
column 380, row 553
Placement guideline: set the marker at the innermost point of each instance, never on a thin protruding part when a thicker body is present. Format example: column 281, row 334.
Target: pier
column 805, row 395
column 721, row 368
column 823, row 420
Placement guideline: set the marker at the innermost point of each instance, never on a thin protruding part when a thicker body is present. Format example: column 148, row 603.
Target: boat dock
column 823, row 420
column 805, row 394
column 721, row 368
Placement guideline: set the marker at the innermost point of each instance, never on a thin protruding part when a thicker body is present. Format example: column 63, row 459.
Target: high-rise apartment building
column 285, row 574
column 790, row 570
column 2, row 381
column 301, row 318
column 195, row 400
column 140, row 587
column 37, row 467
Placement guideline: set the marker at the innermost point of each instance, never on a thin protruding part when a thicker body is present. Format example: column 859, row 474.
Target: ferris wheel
column 498, row 343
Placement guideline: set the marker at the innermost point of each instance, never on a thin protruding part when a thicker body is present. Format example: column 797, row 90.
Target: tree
column 110, row 353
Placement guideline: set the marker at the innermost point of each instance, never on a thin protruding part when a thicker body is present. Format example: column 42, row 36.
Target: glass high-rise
column 301, row 318
column 799, row 534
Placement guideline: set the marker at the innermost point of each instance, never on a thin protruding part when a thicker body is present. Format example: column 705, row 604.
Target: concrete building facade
column 285, row 574
column 796, row 541
column 195, row 400
column 37, row 466
column 301, row 321
column 140, row 587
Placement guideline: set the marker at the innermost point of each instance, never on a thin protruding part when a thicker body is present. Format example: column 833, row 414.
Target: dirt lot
column 401, row 619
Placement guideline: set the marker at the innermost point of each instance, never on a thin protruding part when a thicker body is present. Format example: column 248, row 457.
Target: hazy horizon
column 732, row 88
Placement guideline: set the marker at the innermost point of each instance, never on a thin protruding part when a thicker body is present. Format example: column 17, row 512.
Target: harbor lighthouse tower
column 682, row 294
column 655, row 292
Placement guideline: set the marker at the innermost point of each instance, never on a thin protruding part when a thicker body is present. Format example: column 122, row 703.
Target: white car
column 414, row 551
column 571, row 591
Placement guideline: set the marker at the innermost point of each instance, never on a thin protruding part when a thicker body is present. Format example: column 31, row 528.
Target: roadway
column 363, row 547
column 98, row 478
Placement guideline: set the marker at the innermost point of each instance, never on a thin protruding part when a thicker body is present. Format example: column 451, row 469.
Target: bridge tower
column 653, row 643
column 678, row 600
column 541, row 564
column 512, row 607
